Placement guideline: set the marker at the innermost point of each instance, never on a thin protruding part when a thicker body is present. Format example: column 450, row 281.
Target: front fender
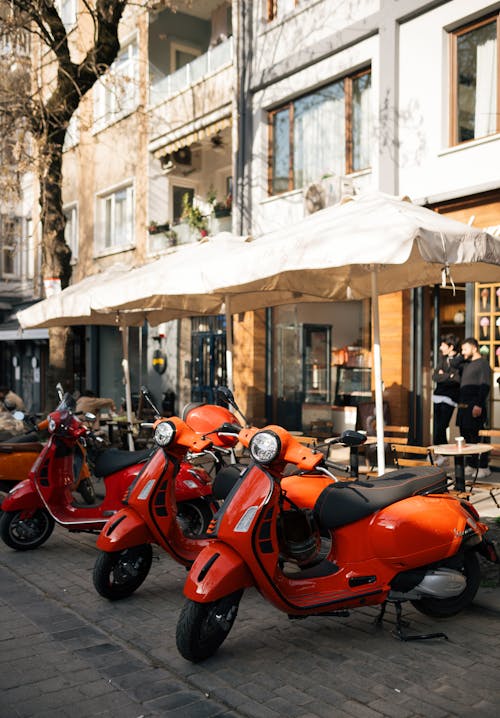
column 216, row 572
column 123, row 530
column 22, row 497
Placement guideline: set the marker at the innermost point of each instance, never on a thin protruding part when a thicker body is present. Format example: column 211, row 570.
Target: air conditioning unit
column 327, row 192
column 183, row 161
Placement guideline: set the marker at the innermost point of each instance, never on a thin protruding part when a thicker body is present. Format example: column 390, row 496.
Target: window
column 325, row 132
column 178, row 203
column 116, row 93
column 115, row 219
column 181, row 55
column 71, row 230
column 72, row 137
column 67, row 13
column 474, row 66
column 278, row 8
column 11, row 242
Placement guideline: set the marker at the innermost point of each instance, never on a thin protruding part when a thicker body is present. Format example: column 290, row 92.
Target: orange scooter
column 330, row 546
column 151, row 513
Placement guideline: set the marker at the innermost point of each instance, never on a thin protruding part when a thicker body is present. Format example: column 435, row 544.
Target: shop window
column 325, row 132
column 115, row 214
column 474, row 82
column 316, row 363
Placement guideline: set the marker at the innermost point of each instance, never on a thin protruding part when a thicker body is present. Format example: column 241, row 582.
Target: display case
column 487, row 332
column 352, row 385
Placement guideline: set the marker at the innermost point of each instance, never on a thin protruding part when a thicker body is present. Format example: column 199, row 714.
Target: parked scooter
column 19, row 453
column 32, row 508
column 358, row 544
column 151, row 515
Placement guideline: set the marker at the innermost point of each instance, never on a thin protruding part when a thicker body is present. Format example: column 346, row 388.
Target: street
column 68, row 652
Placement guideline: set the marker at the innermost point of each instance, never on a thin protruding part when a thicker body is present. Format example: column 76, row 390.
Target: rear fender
column 216, row 572
column 22, row 497
column 123, row 530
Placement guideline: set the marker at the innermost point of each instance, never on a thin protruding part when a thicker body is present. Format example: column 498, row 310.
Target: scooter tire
column 445, row 607
column 203, row 627
column 119, row 573
column 195, row 516
column 87, row 491
column 24, row 532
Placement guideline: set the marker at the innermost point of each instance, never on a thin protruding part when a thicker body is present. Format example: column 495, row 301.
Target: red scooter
column 151, row 514
column 35, row 505
column 348, row 544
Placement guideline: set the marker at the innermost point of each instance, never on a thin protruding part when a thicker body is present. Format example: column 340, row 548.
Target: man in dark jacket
column 474, row 389
column 447, row 377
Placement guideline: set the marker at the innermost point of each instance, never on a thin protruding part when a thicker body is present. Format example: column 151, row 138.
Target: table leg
column 354, row 456
column 460, row 473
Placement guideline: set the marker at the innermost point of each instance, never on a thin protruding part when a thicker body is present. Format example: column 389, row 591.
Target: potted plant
column 193, row 216
column 155, row 228
column 220, row 209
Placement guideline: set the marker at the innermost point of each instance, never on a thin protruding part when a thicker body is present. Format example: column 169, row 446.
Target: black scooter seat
column 342, row 503
column 112, row 460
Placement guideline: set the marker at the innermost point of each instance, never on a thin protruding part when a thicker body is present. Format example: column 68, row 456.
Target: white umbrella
column 371, row 245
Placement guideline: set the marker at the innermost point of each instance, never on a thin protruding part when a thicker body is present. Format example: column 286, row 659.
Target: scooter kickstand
column 380, row 618
column 415, row 637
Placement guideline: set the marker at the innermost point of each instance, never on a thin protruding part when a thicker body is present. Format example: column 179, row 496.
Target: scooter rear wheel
column 203, row 627
column 469, row 566
column 120, row 573
column 24, row 530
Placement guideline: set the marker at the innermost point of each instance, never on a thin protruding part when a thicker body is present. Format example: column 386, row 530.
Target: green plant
column 193, row 215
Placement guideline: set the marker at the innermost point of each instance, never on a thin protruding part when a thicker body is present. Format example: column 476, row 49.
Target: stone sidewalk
column 67, row 652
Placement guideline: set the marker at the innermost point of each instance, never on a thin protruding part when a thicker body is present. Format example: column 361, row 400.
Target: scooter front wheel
column 118, row 574
column 203, row 627
column 194, row 516
column 469, row 566
column 25, row 530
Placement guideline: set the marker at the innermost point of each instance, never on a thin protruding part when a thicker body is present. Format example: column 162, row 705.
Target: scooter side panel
column 124, row 530
column 23, row 497
column 414, row 532
column 216, row 572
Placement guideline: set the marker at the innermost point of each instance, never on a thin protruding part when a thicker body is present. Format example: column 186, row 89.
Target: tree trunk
column 56, row 258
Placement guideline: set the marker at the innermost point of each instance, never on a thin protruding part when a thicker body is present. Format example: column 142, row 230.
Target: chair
column 408, row 455
column 396, row 434
column 491, row 487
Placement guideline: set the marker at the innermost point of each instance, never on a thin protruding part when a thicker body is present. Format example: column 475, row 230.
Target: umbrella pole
column 377, row 368
column 229, row 345
column 128, row 395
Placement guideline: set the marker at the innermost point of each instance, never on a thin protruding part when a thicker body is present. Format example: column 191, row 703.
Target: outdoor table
column 354, row 454
column 459, row 454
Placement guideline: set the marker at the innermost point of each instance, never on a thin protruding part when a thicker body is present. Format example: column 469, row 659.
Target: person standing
column 447, row 377
column 472, row 410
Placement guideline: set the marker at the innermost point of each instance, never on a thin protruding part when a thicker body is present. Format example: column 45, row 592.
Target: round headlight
column 164, row 433
column 265, row 447
column 51, row 425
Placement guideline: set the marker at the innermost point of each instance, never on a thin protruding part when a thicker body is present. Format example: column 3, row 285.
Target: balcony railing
column 207, row 64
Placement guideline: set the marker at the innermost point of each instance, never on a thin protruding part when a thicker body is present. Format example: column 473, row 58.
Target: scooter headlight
column 164, row 433
column 265, row 447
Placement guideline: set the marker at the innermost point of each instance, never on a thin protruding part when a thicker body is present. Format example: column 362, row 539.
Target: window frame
column 453, row 101
column 349, row 145
column 106, row 91
column 102, row 198
column 14, row 246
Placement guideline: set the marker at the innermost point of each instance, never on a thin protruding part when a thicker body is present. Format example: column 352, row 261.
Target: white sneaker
column 441, row 461
column 483, row 473
column 469, row 470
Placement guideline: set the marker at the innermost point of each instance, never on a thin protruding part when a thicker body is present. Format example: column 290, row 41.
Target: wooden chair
column 491, row 487
column 408, row 455
column 396, row 434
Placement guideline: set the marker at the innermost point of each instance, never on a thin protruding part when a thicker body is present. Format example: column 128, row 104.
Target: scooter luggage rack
column 399, row 633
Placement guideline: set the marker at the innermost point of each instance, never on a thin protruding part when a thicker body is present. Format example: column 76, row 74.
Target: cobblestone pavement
column 65, row 651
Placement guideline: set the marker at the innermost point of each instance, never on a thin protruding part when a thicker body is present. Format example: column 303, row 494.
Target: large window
column 11, row 243
column 323, row 133
column 475, row 88
column 116, row 94
column 115, row 213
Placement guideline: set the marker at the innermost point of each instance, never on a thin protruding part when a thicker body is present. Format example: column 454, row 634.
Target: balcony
column 203, row 67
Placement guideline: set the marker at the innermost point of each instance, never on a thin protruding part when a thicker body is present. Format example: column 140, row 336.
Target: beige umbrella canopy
column 371, row 245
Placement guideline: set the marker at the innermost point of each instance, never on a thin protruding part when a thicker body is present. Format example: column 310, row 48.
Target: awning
column 191, row 132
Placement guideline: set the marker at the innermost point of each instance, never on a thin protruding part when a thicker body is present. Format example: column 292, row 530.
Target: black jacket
column 448, row 383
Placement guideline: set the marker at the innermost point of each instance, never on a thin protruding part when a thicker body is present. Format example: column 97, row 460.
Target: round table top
column 465, row 449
